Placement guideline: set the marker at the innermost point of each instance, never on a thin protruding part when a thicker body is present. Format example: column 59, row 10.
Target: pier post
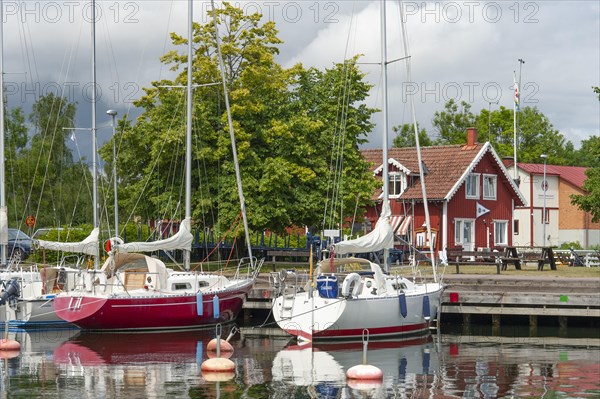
column 533, row 324
column 466, row 323
column 562, row 326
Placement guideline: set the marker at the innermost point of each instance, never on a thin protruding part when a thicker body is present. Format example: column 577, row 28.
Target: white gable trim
column 392, row 161
column 487, row 147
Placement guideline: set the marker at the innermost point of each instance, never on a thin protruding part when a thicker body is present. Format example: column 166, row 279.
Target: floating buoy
column 9, row 354
column 217, row 377
column 365, row 385
column 213, row 354
column 364, row 371
column 225, row 345
column 9, row 345
column 218, row 365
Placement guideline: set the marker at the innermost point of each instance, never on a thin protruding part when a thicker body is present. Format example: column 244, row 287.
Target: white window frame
column 494, row 184
column 503, row 224
column 396, row 177
column 467, row 186
column 459, row 230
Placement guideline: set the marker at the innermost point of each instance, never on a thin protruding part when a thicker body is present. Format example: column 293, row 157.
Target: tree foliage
column 291, row 128
column 405, row 136
column 451, row 124
column 44, row 181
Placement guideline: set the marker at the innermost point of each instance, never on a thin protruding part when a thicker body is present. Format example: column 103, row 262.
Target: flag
column 72, row 136
column 481, row 210
column 517, row 93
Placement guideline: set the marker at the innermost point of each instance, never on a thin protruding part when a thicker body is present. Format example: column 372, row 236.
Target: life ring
column 352, row 280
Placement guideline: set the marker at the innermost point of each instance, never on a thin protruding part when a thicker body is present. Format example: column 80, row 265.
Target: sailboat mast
column 232, row 137
column 384, row 175
column 3, row 210
column 188, row 135
column 94, row 145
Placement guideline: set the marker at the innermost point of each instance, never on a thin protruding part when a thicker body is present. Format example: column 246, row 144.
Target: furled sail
column 181, row 240
column 382, row 237
column 88, row 246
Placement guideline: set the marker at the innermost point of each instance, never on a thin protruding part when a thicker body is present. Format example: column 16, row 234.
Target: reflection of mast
column 3, row 210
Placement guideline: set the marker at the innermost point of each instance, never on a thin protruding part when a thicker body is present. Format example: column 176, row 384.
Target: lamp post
column 113, row 113
column 544, row 188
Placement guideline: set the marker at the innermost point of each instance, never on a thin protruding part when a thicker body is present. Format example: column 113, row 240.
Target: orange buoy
column 364, row 372
column 213, row 355
column 225, row 346
column 212, row 376
column 9, row 354
column 218, row 365
column 9, row 345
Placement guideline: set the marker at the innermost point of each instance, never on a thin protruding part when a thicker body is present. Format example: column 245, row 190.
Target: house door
column 465, row 233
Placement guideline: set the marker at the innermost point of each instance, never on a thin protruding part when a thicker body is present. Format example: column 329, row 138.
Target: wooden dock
column 498, row 297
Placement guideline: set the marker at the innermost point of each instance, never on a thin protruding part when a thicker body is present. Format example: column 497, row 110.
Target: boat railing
column 248, row 267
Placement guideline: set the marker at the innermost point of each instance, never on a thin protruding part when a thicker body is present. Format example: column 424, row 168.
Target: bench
column 290, row 253
column 473, row 258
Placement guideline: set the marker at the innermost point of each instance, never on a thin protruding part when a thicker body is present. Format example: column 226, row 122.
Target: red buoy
column 364, row 372
column 212, row 376
column 9, row 345
column 225, row 346
column 218, row 365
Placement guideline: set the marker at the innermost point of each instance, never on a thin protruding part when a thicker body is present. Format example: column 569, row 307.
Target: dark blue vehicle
column 19, row 245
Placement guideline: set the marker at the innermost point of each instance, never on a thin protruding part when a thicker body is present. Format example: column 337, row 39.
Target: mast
column 3, row 210
column 232, row 137
column 418, row 147
column 385, row 177
column 188, row 135
column 94, row 133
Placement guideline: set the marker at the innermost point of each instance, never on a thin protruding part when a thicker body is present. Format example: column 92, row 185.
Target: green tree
column 405, row 136
column 287, row 123
column 590, row 202
column 451, row 124
column 50, row 185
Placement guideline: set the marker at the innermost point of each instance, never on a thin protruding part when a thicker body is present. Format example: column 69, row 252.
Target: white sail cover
column 88, row 246
column 381, row 237
column 181, row 240
column 3, row 226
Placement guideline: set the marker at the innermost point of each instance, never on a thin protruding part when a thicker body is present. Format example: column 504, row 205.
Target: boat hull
column 150, row 312
column 319, row 318
column 32, row 313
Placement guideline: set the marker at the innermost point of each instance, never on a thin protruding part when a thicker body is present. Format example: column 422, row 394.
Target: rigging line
column 154, row 166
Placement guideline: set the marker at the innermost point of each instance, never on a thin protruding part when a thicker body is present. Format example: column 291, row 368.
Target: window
column 516, row 227
column 489, row 187
column 500, row 232
column 181, row 286
column 472, row 186
column 397, row 183
column 547, row 218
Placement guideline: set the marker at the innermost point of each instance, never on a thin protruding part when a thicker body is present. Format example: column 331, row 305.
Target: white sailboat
column 28, row 293
column 385, row 304
column 133, row 291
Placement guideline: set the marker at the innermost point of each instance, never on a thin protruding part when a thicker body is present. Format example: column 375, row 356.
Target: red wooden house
column 471, row 196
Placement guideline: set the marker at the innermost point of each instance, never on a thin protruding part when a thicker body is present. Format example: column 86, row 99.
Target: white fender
column 102, row 282
column 352, row 278
column 87, row 281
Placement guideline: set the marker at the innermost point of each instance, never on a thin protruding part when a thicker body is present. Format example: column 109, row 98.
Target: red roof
column 445, row 166
column 572, row 174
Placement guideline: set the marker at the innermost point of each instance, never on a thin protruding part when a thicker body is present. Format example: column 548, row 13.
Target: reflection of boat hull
column 33, row 313
column 346, row 318
column 148, row 312
column 88, row 349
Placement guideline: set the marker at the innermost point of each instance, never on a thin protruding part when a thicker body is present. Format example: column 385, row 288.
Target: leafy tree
column 405, row 136
column 591, row 201
column 452, row 123
column 287, row 124
column 49, row 185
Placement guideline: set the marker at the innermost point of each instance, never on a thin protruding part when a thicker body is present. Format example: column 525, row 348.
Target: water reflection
column 69, row 364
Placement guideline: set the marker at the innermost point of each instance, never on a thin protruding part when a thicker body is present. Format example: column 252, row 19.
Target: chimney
column 471, row 136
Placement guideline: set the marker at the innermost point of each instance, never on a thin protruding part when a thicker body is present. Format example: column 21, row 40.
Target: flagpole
column 515, row 109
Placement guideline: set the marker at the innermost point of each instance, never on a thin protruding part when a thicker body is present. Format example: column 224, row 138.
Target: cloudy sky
column 461, row 50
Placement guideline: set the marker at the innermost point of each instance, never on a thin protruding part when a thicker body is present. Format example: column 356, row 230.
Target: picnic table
column 539, row 255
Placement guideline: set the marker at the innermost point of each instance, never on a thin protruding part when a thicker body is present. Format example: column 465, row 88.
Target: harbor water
column 73, row 364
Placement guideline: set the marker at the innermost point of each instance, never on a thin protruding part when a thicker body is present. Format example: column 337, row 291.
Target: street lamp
column 544, row 188
column 113, row 113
